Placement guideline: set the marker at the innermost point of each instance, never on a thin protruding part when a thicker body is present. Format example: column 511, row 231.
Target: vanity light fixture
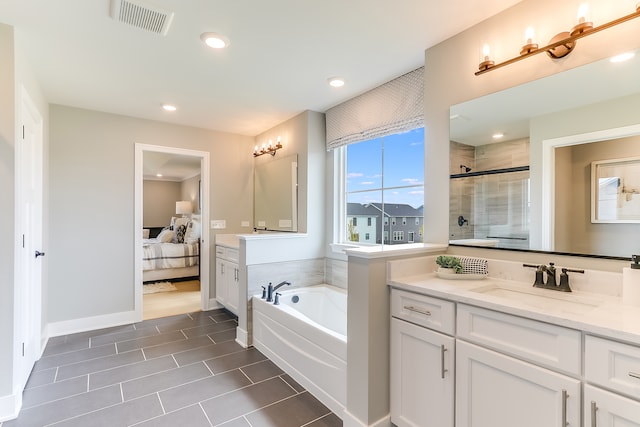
column 560, row 45
column 267, row 149
column 215, row 40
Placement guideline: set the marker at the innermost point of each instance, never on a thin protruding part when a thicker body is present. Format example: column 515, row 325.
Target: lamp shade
column 183, row 207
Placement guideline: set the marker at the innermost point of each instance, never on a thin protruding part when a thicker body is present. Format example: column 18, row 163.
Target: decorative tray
column 460, row 276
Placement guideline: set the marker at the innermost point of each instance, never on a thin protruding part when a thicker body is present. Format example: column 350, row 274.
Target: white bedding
column 157, row 256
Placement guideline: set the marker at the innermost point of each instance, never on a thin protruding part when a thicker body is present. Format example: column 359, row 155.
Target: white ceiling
column 281, row 54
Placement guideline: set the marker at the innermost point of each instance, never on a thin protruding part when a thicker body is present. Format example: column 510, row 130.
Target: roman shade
column 394, row 107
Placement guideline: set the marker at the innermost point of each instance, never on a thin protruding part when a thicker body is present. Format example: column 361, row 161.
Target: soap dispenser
column 631, row 282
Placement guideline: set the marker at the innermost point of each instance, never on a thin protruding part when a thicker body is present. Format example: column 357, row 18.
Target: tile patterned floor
column 183, row 370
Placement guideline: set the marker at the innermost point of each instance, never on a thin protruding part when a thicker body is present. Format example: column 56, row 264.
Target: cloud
column 416, row 192
column 411, row 181
column 367, row 183
column 354, row 175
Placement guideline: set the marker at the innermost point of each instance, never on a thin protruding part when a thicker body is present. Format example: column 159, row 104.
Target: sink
column 546, row 299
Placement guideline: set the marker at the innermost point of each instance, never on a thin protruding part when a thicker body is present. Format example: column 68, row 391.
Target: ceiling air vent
column 141, row 16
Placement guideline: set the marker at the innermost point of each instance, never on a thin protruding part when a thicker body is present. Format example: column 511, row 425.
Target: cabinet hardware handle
column 417, row 310
column 634, row 375
column 565, row 395
column 222, row 268
column 594, row 409
column 442, row 369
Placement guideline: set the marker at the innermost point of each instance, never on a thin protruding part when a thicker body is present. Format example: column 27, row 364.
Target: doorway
column 146, row 156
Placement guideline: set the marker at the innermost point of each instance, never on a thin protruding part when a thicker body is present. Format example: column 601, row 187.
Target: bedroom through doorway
column 171, row 255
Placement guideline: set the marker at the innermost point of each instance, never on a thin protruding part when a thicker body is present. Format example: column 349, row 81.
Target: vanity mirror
column 537, row 195
column 276, row 194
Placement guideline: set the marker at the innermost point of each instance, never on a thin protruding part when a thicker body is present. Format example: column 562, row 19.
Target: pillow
column 145, row 233
column 177, row 221
column 193, row 230
column 179, row 237
column 165, row 236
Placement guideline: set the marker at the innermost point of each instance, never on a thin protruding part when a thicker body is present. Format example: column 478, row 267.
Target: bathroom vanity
column 497, row 352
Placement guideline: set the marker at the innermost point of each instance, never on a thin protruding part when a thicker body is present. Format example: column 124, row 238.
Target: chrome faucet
column 271, row 289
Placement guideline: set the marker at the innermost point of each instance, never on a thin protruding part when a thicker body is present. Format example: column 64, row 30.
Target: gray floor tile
column 330, row 420
column 65, row 347
column 208, row 352
column 237, row 403
column 238, row 422
column 54, row 391
column 74, row 357
column 67, row 408
column 99, row 364
column 297, row 387
column 292, row 412
column 197, row 391
column 38, row 378
column 261, row 371
column 99, row 332
column 235, row 360
column 222, row 316
column 164, row 380
column 174, row 347
column 123, row 336
column 210, row 329
column 122, row 414
column 149, row 341
column 130, row 372
column 228, row 335
column 185, row 324
column 191, row 416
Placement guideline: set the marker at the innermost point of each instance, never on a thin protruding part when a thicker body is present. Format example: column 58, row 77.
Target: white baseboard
column 349, row 420
column 242, row 337
column 213, row 304
column 10, row 406
column 66, row 327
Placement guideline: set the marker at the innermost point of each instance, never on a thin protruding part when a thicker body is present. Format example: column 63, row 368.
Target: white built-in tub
column 306, row 336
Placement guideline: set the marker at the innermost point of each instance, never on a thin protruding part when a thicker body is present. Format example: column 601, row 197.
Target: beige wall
column 189, row 190
column 159, row 202
column 574, row 231
column 92, row 202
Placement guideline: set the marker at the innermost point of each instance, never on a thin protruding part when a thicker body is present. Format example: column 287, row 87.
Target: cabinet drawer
column 430, row 312
column 613, row 365
column 548, row 345
column 227, row 253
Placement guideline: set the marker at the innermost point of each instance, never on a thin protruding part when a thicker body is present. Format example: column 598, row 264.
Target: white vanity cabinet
column 422, row 361
column 614, row 366
column 227, row 278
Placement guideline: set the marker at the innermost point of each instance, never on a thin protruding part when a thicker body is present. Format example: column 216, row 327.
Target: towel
column 472, row 265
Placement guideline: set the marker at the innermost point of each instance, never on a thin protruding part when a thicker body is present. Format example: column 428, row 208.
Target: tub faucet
column 271, row 289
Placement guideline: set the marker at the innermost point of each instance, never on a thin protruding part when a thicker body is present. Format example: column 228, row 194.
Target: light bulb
column 486, row 52
column 529, row 36
column 583, row 11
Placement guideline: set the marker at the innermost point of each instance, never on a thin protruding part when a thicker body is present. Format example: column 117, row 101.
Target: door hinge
column 22, row 349
column 22, row 131
column 23, row 241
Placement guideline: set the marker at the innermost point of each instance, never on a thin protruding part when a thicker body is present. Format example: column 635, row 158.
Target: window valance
column 394, row 107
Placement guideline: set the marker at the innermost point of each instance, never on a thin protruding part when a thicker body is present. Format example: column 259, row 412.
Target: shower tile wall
column 494, row 205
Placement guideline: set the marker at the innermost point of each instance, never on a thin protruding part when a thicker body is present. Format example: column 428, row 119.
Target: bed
column 174, row 253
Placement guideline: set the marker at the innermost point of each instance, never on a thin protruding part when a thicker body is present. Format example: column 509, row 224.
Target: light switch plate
column 245, row 224
column 262, row 224
column 218, row 224
column 285, row 223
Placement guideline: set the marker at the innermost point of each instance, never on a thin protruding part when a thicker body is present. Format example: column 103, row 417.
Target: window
column 410, row 236
column 355, row 221
column 366, row 236
column 384, row 178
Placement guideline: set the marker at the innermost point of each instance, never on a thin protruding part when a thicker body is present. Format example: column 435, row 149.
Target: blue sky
column 403, row 163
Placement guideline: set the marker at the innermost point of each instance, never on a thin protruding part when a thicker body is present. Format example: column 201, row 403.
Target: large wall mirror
column 276, row 194
column 532, row 189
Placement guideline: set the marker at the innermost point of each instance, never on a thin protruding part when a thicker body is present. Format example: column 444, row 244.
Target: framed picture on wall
column 615, row 191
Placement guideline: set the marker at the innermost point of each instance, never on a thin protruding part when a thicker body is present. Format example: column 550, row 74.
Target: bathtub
column 306, row 336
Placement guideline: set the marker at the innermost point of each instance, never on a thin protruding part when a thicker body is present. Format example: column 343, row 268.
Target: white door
column 29, row 223
column 605, row 409
column 494, row 390
column 421, row 376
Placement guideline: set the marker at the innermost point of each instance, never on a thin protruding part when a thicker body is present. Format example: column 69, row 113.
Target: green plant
column 446, row 261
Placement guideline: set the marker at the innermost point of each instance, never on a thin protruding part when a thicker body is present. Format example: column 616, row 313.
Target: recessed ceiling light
column 623, row 57
column 336, row 81
column 498, row 135
column 169, row 107
column 215, row 40
column 159, row 175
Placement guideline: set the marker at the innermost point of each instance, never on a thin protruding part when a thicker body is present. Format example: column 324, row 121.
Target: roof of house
column 390, row 210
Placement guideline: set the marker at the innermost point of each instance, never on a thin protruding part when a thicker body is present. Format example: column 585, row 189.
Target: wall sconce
column 561, row 44
column 267, row 149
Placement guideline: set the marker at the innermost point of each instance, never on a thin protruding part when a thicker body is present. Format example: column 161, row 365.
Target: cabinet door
column 221, row 281
column 494, row 390
column 233, row 288
column 605, row 409
column 422, row 363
